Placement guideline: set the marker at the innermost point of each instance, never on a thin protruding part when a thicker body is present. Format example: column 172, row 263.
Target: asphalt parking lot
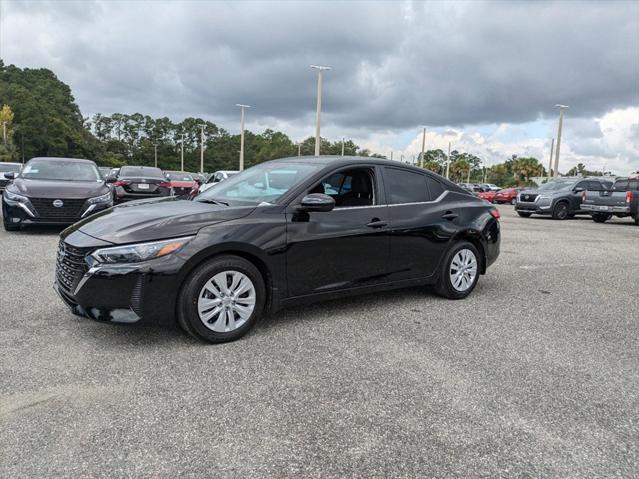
column 535, row 375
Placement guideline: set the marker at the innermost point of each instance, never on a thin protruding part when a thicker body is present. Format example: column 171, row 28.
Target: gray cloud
column 395, row 65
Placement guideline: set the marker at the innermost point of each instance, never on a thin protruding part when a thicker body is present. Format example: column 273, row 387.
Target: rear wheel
column 524, row 214
column 600, row 218
column 460, row 271
column 561, row 211
column 222, row 299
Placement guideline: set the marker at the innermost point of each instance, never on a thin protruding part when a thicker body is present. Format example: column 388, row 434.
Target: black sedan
column 139, row 182
column 54, row 191
column 283, row 232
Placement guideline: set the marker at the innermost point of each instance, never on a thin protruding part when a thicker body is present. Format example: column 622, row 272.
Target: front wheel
column 599, row 218
column 460, row 271
column 561, row 211
column 221, row 300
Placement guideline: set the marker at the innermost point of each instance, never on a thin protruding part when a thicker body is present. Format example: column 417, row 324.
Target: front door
column 347, row 247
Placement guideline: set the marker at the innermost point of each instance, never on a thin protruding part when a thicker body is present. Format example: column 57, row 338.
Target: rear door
column 421, row 222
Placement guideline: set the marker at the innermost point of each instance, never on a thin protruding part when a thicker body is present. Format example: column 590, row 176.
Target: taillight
column 164, row 184
column 121, row 183
column 494, row 212
column 628, row 197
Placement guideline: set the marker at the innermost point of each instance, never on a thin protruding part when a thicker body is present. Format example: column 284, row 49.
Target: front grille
column 70, row 208
column 528, row 197
column 70, row 265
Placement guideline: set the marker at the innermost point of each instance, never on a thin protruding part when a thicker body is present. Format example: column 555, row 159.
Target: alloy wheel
column 463, row 270
column 226, row 301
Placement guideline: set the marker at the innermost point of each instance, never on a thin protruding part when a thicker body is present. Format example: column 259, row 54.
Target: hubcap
column 226, row 301
column 463, row 270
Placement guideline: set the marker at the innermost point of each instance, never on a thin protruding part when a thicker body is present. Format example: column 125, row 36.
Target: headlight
column 134, row 253
column 105, row 198
column 15, row 197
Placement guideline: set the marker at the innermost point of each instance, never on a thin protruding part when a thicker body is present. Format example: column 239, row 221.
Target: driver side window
column 349, row 188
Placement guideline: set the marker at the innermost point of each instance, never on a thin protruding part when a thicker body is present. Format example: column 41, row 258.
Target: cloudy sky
column 484, row 76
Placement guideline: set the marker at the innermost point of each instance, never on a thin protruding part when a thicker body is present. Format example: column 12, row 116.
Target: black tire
column 600, row 218
column 10, row 227
column 187, row 310
column 444, row 286
column 560, row 211
column 637, row 220
column 524, row 214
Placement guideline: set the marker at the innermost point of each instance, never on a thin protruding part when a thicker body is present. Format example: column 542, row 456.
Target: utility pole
column 182, row 154
column 448, row 162
column 242, row 134
column 484, row 174
column 299, row 149
column 552, row 147
column 155, row 146
column 4, row 133
column 202, row 125
column 320, row 69
column 423, row 146
column 391, row 155
column 342, row 146
column 561, row 122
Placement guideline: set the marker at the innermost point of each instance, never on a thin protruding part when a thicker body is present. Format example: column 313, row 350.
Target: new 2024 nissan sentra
column 282, row 232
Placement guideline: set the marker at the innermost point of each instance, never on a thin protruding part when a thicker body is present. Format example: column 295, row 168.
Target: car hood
column 58, row 189
column 155, row 219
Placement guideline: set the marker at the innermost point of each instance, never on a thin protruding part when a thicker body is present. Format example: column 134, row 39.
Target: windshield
column 262, row 183
column 178, row 176
column 556, row 186
column 60, row 170
column 9, row 167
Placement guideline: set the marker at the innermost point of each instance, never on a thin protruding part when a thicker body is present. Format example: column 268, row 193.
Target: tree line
column 41, row 118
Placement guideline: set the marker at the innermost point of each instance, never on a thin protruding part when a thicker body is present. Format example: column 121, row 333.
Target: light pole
column 299, row 149
column 320, row 69
column 342, row 146
column 182, row 154
column 155, row 146
column 423, row 146
column 202, row 125
column 552, row 146
column 242, row 134
column 4, row 133
column 561, row 122
column 448, row 162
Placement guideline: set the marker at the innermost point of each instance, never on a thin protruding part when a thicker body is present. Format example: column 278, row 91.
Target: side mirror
column 317, row 202
column 10, row 176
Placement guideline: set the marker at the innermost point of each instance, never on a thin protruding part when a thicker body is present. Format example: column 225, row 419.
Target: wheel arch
column 251, row 254
column 474, row 237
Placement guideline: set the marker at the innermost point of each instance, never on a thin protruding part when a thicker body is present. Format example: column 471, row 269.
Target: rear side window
column 434, row 187
column 620, row 185
column 404, row 186
column 633, row 185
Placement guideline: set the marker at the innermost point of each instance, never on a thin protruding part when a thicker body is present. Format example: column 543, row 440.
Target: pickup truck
column 621, row 200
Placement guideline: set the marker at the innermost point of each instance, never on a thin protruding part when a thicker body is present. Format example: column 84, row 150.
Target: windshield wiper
column 212, row 201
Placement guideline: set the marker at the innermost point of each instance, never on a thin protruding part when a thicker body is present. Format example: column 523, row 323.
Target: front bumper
column 533, row 208
column 606, row 209
column 128, row 293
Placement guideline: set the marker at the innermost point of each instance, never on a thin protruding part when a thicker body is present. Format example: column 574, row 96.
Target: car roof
column 54, row 158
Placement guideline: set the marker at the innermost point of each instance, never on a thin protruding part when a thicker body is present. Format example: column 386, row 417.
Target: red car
column 486, row 195
column 182, row 184
column 507, row 195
